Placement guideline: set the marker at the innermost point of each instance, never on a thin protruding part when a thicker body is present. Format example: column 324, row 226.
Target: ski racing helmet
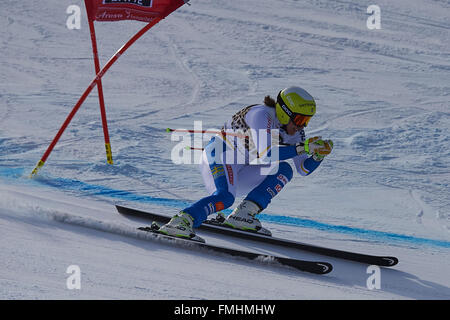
column 295, row 104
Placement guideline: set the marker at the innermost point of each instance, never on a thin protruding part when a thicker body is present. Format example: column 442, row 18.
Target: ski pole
column 239, row 135
column 193, row 148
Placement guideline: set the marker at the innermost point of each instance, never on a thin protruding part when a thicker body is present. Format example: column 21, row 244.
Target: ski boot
column 243, row 217
column 180, row 226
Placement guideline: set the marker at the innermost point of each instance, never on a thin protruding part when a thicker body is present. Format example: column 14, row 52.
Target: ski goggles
column 300, row 119
column 297, row 118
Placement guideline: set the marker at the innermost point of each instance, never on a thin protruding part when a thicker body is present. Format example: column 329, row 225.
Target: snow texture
column 383, row 97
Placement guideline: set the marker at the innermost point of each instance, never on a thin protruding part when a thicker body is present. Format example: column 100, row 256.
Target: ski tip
column 316, row 267
column 325, row 267
column 389, row 261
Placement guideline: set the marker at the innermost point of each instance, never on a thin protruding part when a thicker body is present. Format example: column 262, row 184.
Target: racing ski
column 214, row 226
column 316, row 267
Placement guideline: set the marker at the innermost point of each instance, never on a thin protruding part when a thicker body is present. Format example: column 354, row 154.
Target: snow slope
column 383, row 97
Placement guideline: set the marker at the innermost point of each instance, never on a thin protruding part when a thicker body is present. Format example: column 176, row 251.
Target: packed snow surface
column 383, row 96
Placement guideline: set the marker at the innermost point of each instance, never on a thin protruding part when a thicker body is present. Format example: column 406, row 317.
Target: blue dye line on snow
column 365, row 233
column 98, row 190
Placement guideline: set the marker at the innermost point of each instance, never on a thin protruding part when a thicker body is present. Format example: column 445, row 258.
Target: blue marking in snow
column 98, row 190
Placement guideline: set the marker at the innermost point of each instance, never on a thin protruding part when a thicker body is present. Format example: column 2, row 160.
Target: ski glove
column 316, row 147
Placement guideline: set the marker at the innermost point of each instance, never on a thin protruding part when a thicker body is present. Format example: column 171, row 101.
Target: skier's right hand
column 316, row 147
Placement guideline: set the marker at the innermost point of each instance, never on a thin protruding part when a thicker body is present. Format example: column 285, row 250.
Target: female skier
column 228, row 161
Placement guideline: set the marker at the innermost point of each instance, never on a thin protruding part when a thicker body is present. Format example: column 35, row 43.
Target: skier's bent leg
column 219, row 200
column 182, row 224
column 244, row 216
column 271, row 186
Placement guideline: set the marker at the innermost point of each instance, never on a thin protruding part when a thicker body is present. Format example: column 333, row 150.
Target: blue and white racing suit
column 225, row 179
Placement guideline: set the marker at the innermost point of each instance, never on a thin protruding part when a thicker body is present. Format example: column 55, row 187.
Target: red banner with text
column 141, row 10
